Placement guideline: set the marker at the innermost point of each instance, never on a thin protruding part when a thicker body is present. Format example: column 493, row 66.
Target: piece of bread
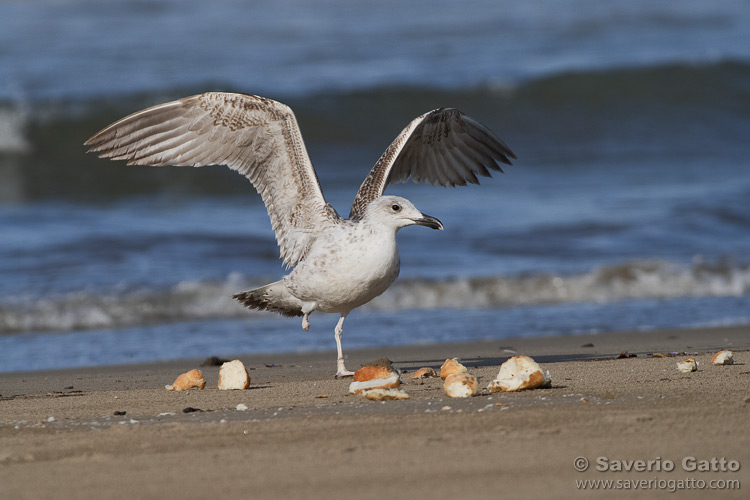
column 450, row 367
column 687, row 366
column 370, row 372
column 187, row 380
column 724, row 357
column 393, row 381
column 424, row 373
column 461, row 385
column 233, row 376
column 385, row 394
column 517, row 374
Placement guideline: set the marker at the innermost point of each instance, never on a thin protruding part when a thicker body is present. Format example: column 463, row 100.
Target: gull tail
column 274, row 297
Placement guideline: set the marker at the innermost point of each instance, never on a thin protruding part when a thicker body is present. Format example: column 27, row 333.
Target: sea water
column 628, row 207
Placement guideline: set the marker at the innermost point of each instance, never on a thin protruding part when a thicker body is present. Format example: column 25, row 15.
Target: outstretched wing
column 255, row 136
column 443, row 147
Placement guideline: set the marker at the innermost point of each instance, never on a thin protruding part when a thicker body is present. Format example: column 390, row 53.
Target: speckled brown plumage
column 256, row 136
column 339, row 264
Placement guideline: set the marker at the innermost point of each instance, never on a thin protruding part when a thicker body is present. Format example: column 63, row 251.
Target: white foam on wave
column 83, row 310
column 201, row 300
column 648, row 279
column 12, row 139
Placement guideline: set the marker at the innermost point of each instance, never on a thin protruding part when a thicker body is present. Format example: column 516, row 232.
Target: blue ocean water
column 627, row 207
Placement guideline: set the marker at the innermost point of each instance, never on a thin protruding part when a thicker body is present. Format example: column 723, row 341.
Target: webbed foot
column 343, row 374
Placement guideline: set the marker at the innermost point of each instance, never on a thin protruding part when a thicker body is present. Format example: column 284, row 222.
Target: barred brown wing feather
column 443, row 147
column 255, row 136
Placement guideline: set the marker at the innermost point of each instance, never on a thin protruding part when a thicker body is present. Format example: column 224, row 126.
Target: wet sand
column 115, row 432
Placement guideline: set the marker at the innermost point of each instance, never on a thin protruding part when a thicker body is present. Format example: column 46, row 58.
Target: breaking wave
column 12, row 131
column 203, row 300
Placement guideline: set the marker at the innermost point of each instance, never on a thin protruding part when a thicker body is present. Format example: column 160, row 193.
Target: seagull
column 338, row 263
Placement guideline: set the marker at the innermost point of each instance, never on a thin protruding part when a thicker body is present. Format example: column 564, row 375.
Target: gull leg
column 305, row 322
column 341, row 371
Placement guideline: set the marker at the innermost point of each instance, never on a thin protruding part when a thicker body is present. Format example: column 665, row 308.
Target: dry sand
column 60, row 437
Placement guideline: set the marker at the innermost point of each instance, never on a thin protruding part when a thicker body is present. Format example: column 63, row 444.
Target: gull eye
column 396, row 208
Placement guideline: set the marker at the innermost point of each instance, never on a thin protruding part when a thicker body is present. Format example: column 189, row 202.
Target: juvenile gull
column 339, row 264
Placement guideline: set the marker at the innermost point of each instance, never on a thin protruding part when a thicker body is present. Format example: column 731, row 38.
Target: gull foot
column 344, row 374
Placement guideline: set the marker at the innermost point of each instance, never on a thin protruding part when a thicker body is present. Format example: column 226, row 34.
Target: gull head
column 398, row 212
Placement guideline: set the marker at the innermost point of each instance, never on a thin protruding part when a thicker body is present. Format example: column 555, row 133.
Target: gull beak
column 429, row 221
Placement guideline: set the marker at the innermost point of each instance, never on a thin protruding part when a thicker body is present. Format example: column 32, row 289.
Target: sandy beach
column 115, row 432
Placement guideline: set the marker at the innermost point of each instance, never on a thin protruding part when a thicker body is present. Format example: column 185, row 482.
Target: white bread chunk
column 233, row 376
column 450, row 367
column 519, row 373
column 461, row 385
column 687, row 366
column 724, row 357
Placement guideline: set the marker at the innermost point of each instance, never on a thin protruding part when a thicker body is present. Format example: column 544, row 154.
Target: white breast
column 346, row 269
